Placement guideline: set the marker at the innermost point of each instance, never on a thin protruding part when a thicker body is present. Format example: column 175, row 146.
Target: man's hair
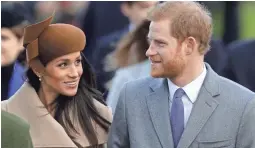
column 186, row 19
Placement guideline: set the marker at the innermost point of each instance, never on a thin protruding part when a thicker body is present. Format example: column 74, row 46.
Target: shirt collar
column 191, row 89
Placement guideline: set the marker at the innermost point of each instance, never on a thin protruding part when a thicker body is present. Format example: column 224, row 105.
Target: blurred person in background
column 136, row 12
column 217, row 55
column 65, row 11
column 68, row 10
column 14, row 132
column 59, row 100
column 130, row 60
column 231, row 22
column 14, row 19
column 45, row 8
column 240, row 64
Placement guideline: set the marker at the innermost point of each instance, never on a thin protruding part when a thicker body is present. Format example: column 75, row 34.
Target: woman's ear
column 39, row 75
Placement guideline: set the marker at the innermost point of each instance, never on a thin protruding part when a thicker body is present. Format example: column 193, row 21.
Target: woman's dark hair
column 82, row 105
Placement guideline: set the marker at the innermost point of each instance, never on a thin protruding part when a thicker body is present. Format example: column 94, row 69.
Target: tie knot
column 179, row 93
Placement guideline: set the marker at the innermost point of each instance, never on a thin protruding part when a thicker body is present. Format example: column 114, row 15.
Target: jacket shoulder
column 141, row 82
column 235, row 90
column 141, row 87
column 13, row 121
column 15, row 129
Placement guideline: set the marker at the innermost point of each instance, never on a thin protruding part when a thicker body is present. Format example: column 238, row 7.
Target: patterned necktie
column 177, row 116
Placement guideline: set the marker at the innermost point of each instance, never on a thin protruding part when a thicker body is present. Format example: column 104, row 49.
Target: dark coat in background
column 216, row 56
column 240, row 65
column 105, row 46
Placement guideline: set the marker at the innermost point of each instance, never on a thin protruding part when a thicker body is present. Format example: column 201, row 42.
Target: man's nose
column 150, row 51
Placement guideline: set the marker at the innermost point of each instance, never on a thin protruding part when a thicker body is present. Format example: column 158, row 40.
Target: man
column 14, row 19
column 14, row 132
column 240, row 66
column 136, row 12
column 186, row 104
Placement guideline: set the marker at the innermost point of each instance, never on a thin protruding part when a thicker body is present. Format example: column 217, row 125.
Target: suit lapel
column 158, row 106
column 202, row 109
column 201, row 112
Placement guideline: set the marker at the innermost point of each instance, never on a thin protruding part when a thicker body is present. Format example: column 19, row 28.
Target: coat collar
column 44, row 129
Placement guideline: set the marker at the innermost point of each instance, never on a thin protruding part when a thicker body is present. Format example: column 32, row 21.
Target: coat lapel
column 44, row 129
column 202, row 109
column 158, row 106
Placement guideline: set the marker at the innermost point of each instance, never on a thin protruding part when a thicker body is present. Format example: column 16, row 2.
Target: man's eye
column 160, row 44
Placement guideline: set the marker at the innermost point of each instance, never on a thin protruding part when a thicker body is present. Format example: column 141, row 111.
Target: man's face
column 137, row 11
column 165, row 52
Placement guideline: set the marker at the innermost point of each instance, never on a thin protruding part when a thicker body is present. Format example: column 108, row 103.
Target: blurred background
column 115, row 54
column 73, row 11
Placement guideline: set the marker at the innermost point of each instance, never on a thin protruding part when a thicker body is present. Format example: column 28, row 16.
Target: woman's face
column 63, row 74
column 11, row 46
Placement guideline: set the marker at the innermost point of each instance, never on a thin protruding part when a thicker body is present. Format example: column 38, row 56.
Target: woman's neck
column 47, row 97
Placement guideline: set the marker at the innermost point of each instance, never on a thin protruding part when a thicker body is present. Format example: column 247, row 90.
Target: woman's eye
column 77, row 62
column 62, row 65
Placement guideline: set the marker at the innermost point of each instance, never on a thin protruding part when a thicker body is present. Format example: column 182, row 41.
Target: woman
column 13, row 21
column 130, row 60
column 60, row 101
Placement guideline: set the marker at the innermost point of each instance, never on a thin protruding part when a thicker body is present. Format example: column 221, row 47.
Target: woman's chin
column 70, row 93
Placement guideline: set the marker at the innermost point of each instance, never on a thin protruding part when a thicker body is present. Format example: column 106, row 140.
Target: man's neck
column 189, row 74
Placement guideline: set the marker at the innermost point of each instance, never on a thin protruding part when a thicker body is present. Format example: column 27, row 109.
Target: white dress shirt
column 191, row 92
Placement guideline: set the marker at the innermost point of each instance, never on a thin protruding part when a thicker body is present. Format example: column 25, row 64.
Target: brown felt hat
column 45, row 41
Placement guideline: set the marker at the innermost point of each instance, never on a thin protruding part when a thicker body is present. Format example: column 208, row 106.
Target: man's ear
column 190, row 44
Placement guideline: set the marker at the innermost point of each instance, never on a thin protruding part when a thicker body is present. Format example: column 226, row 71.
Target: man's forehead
column 158, row 27
column 154, row 27
column 159, row 30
